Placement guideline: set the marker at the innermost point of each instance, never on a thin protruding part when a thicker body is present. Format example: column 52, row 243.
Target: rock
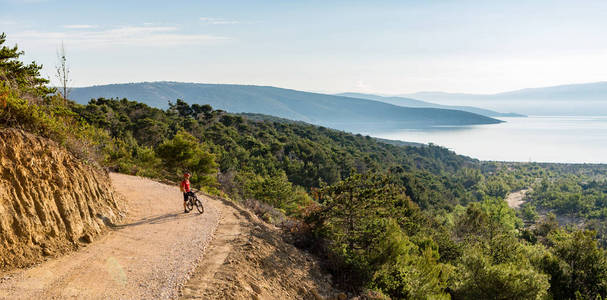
column 255, row 288
column 86, row 238
column 46, row 252
column 316, row 295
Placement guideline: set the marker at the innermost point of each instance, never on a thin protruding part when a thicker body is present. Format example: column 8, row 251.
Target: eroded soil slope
column 50, row 202
column 248, row 259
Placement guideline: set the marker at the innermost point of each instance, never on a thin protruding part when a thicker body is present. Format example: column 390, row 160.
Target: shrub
column 52, row 121
column 184, row 153
column 480, row 277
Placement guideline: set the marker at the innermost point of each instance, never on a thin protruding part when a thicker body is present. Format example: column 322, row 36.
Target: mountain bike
column 193, row 201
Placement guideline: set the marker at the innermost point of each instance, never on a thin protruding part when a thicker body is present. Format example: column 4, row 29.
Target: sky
column 380, row 46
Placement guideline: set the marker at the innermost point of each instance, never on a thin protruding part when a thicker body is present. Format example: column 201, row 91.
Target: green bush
column 481, row 278
column 53, row 121
column 183, row 153
column 580, row 267
column 405, row 270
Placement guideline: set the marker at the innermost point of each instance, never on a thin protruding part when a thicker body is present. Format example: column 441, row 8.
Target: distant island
column 345, row 113
column 589, row 99
column 409, row 102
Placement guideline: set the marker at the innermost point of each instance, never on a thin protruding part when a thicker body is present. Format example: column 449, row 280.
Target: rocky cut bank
column 50, row 202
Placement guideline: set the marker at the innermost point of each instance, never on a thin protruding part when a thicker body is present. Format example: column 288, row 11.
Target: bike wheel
column 189, row 205
column 199, row 206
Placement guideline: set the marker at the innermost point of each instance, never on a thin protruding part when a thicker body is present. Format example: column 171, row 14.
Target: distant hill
column 408, row 102
column 571, row 99
column 352, row 114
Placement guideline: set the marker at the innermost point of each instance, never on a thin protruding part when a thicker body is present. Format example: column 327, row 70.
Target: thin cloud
column 7, row 22
column 27, row 1
column 146, row 36
column 79, row 26
column 218, row 21
column 362, row 86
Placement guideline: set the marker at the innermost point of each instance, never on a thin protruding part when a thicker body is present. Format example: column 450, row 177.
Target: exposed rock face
column 50, row 202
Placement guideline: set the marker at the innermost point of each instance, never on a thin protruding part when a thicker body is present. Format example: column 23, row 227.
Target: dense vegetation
column 405, row 221
column 575, row 194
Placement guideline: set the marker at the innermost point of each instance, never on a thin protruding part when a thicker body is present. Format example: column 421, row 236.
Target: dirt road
column 515, row 199
column 150, row 256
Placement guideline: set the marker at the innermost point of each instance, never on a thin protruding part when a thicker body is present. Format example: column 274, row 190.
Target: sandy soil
column 150, row 256
column 515, row 199
column 231, row 226
column 248, row 259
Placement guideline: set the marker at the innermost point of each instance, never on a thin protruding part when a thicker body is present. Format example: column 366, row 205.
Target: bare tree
column 63, row 72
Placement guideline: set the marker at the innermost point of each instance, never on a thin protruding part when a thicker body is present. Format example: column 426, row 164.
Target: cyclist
column 185, row 189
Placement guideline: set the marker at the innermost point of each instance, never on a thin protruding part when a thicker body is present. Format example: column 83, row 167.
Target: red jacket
column 185, row 185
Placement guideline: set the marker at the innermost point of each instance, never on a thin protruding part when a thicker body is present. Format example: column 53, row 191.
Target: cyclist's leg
column 185, row 199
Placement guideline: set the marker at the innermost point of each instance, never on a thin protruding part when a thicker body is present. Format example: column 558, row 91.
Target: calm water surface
column 540, row 139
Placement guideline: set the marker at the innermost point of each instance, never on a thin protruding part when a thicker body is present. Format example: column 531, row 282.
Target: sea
column 558, row 139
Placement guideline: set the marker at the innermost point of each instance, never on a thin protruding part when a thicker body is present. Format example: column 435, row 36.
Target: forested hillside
column 352, row 114
column 405, row 222
column 385, row 217
column 244, row 150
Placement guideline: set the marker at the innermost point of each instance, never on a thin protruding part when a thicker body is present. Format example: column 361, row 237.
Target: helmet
column 187, row 174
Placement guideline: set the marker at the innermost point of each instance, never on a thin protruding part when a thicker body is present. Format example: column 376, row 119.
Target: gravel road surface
column 149, row 256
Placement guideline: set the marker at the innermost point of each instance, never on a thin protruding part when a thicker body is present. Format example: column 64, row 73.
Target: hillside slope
column 50, row 202
column 327, row 110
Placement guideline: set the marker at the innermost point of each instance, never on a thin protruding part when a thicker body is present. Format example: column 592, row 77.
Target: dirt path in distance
column 148, row 257
column 515, row 199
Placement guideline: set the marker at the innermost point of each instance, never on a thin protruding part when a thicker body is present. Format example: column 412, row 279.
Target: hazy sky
column 327, row 46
